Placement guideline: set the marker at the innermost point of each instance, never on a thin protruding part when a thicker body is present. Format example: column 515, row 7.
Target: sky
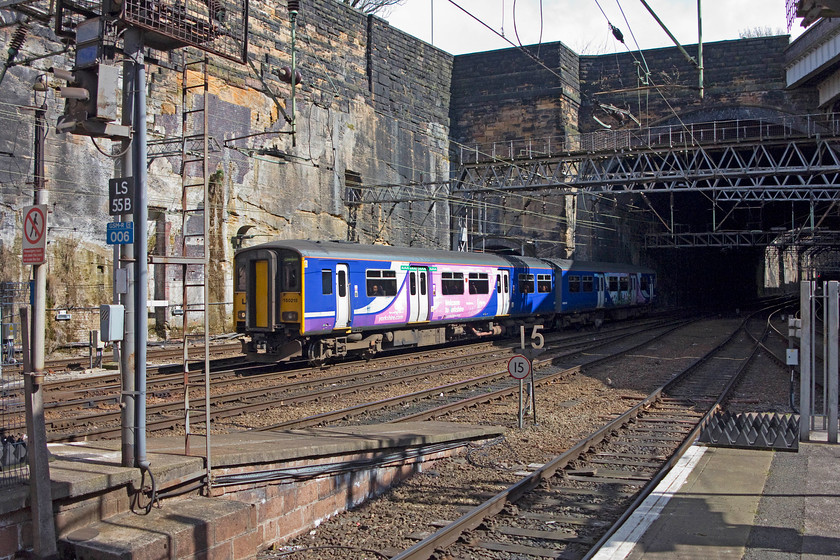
column 580, row 24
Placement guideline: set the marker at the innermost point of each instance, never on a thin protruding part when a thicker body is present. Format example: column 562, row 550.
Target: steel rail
column 448, row 535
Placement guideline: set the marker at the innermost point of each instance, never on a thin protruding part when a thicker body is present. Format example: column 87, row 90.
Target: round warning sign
column 519, row 367
column 35, row 234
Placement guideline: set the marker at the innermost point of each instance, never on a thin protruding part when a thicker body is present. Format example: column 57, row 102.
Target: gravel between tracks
column 567, row 411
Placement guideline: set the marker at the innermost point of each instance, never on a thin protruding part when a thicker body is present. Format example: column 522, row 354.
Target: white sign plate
column 35, row 234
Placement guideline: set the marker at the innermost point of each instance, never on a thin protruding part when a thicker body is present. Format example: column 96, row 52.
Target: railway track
column 269, row 388
column 494, row 386
column 570, row 505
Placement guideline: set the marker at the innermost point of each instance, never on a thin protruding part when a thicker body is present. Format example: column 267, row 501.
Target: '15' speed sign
column 120, row 233
column 519, row 367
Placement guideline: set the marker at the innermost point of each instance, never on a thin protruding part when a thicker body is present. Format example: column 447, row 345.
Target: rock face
column 372, row 110
column 376, row 109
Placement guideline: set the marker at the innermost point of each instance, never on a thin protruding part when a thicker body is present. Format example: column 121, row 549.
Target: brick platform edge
column 253, row 507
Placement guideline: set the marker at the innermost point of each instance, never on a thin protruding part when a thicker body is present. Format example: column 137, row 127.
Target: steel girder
column 792, row 170
column 396, row 194
column 816, row 238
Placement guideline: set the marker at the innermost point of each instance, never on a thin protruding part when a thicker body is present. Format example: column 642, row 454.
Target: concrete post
column 40, row 485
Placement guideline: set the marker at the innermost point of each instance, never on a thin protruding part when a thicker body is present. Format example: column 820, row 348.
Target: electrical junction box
column 111, row 322
column 792, row 357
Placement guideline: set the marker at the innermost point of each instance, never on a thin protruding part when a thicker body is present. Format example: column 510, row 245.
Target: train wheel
column 313, row 354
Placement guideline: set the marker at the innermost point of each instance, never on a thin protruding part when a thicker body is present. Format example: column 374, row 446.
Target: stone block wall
column 505, row 95
column 739, row 76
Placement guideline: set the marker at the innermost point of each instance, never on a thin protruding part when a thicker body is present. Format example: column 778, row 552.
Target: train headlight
column 241, row 315
column 289, row 316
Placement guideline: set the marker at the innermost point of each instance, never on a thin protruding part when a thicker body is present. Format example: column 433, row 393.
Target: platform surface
column 83, row 468
column 734, row 504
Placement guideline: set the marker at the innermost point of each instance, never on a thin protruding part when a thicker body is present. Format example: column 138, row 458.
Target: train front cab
column 273, row 302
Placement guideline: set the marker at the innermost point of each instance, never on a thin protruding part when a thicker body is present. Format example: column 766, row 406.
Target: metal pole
column 432, row 23
column 141, row 267
column 674, row 39
column 127, row 357
column 833, row 312
column 39, row 271
column 33, row 355
column 805, row 291
column 700, row 48
column 293, row 17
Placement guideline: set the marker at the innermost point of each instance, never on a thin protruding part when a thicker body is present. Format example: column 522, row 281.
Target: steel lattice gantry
column 793, row 168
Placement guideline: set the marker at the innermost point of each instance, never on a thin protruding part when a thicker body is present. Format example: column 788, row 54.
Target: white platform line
column 619, row 546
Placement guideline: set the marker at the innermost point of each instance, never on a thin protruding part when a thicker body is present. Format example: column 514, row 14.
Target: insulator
column 19, row 37
column 286, row 75
column 74, row 93
column 294, row 5
column 617, row 33
column 62, row 74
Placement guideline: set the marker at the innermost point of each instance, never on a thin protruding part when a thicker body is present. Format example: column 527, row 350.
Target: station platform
column 734, row 504
column 268, row 487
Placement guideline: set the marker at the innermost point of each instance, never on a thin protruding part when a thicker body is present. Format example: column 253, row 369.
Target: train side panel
column 383, row 294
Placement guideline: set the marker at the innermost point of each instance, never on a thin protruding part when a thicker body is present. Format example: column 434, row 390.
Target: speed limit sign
column 519, row 367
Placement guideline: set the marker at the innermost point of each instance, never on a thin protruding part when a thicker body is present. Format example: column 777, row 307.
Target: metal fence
column 14, row 468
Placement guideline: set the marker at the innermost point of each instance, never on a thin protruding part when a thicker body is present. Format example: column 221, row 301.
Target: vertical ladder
column 195, row 225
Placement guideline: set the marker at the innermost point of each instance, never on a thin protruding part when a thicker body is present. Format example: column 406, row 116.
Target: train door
column 418, row 294
column 502, row 292
column 342, row 296
column 600, row 287
column 262, row 304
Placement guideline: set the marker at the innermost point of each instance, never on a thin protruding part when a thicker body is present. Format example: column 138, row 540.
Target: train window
column 613, row 283
column 240, row 277
column 498, row 285
column 342, row 283
column 574, row 284
column 479, row 283
column 587, row 283
column 645, row 284
column 526, row 283
column 624, row 283
column 326, row 281
column 412, row 284
column 381, row 283
column 452, row 283
column 423, row 283
column 543, row 283
column 290, row 267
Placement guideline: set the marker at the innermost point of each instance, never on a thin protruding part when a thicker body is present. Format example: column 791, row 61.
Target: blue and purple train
column 325, row 299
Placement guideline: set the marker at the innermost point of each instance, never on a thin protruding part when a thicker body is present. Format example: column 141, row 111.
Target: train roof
column 595, row 266
column 343, row 249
